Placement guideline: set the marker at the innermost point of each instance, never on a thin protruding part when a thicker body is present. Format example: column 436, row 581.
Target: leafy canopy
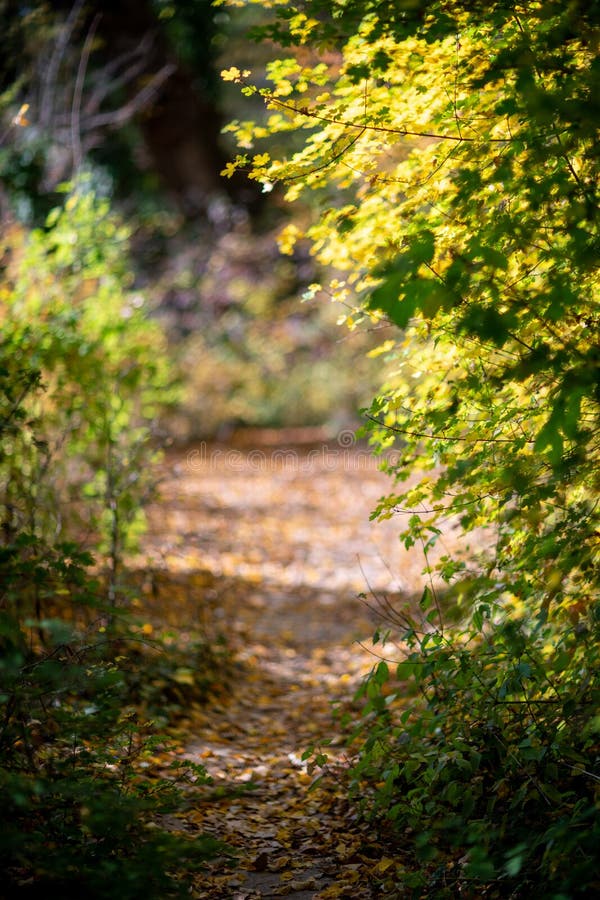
column 450, row 160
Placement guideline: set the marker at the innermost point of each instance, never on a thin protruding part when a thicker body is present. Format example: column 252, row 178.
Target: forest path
column 276, row 543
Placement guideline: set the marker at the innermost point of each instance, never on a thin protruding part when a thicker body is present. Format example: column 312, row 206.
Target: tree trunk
column 182, row 124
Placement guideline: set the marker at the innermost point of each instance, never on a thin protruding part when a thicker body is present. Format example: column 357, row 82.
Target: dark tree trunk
column 181, row 127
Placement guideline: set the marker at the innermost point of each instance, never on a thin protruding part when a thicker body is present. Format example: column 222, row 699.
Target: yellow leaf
column 184, row 676
column 382, row 348
column 287, row 239
column 20, row 119
column 232, row 74
column 229, row 170
column 383, row 865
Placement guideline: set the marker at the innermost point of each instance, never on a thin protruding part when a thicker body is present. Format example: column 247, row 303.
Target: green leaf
column 485, row 322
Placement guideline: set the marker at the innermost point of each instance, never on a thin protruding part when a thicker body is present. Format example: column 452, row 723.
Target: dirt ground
column 274, row 539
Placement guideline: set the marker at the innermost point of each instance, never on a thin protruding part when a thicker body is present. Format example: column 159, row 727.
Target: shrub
column 82, row 374
column 449, row 151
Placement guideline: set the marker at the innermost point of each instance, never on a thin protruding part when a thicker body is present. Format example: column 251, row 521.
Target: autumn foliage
column 439, row 164
column 82, row 374
column 448, row 156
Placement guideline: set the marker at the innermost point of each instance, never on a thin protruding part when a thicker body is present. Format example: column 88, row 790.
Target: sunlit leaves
column 454, row 170
column 68, row 312
column 403, row 292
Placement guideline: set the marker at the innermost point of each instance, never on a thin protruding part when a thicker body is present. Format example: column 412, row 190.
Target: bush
column 82, row 375
column 449, row 151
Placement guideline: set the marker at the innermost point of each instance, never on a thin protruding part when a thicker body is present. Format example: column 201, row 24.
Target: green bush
column 449, row 148
column 82, row 376
column 478, row 746
column 78, row 461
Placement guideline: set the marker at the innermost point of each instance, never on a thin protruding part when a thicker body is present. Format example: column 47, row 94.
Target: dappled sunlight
column 304, row 521
column 261, row 554
column 249, row 649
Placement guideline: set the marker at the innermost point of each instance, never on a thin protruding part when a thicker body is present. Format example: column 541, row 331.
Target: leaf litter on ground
column 271, row 551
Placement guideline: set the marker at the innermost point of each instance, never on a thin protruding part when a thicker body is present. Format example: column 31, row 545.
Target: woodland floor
column 269, row 544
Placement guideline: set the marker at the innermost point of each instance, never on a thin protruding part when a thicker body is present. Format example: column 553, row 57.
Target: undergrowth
column 87, row 767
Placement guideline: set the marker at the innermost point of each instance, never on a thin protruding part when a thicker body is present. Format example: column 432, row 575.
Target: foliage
column 193, row 29
column 82, row 781
column 75, row 464
column 450, row 149
column 82, row 376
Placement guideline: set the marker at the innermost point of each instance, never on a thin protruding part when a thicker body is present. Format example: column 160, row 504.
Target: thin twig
column 47, row 99
column 442, row 437
column 77, row 95
column 119, row 117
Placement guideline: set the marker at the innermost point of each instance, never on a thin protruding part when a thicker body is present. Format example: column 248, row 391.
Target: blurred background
column 127, row 95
